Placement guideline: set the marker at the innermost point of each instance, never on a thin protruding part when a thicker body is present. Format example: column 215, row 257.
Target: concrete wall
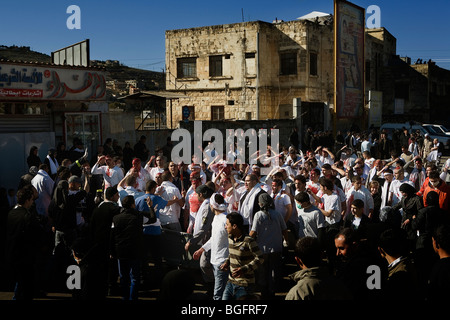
column 15, row 148
column 284, row 126
column 120, row 126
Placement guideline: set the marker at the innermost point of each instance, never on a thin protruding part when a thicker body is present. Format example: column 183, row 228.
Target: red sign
column 21, row 93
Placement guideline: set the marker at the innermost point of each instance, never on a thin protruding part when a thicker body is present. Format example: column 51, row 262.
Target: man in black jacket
column 127, row 239
column 23, row 240
column 100, row 235
column 439, row 279
column 67, row 198
column 65, row 212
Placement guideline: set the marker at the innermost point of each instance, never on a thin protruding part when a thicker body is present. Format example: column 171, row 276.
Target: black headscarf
column 265, row 203
column 408, row 189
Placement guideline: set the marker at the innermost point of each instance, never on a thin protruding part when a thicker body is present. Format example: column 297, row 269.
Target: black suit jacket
column 100, row 226
column 24, row 236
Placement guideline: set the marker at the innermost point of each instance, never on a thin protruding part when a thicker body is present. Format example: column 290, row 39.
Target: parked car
column 423, row 129
column 438, row 128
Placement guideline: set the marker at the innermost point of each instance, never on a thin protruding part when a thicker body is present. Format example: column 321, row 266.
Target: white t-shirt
column 310, row 220
column 331, row 202
column 313, row 186
column 153, row 171
column 170, row 214
column 218, row 242
column 395, row 189
column 281, row 201
column 364, row 194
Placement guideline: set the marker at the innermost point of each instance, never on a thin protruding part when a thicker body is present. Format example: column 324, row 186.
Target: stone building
column 259, row 70
column 250, row 70
column 437, row 92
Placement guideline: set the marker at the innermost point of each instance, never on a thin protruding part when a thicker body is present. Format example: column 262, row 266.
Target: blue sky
column 133, row 32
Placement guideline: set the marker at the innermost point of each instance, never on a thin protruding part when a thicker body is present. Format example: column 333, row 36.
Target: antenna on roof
column 242, row 12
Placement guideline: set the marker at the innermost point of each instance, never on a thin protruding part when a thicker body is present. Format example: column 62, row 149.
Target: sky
column 133, row 32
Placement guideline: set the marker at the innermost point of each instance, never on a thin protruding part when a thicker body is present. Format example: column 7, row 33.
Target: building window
column 186, row 67
column 191, row 116
column 250, row 64
column 288, row 63
column 215, row 66
column 313, row 64
column 217, row 113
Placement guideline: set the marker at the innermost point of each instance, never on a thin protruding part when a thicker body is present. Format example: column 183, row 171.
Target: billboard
column 74, row 55
column 349, row 59
column 35, row 82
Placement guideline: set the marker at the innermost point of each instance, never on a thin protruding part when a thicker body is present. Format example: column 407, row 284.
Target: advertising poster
column 349, row 58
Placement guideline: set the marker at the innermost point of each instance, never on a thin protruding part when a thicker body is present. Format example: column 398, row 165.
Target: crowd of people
column 341, row 204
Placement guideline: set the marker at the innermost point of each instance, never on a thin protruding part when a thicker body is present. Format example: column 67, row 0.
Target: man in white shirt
column 323, row 155
column 248, row 201
column 329, row 203
column 202, row 233
column 300, row 186
column 358, row 191
column 418, row 174
column 127, row 187
column 217, row 244
column 368, row 159
column 311, row 220
column 44, row 186
column 386, row 186
column 142, row 175
column 394, row 191
column 313, row 182
column 377, row 167
column 170, row 215
column 281, row 200
column 160, row 167
column 106, row 166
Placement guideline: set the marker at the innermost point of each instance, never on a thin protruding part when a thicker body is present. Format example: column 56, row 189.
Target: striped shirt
column 244, row 253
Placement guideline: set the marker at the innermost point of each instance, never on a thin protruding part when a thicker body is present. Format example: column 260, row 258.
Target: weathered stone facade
column 264, row 66
column 251, row 85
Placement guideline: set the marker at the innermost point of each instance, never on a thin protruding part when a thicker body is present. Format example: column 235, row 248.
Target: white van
column 423, row 129
column 437, row 128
